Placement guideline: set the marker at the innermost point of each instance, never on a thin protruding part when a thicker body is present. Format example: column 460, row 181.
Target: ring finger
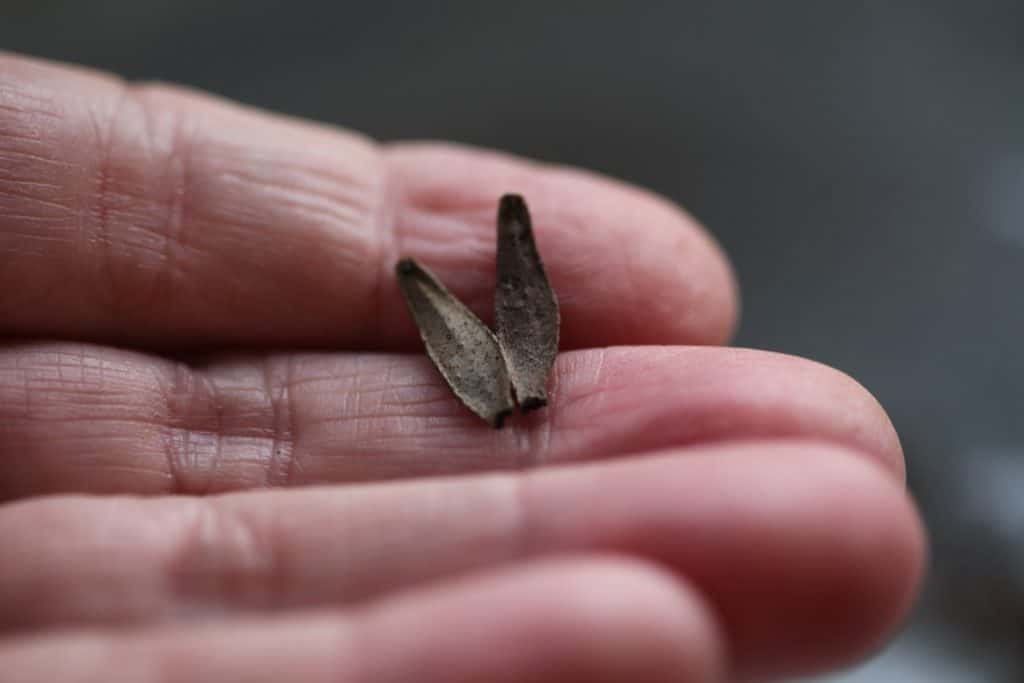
column 732, row 518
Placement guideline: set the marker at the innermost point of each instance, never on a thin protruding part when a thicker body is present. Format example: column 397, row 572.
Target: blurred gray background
column 862, row 163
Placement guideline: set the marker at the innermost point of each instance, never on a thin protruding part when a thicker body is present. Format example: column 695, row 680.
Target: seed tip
column 499, row 418
column 405, row 266
column 532, row 403
column 511, row 206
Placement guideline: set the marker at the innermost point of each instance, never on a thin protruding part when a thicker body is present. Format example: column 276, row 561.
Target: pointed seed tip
column 511, row 204
column 532, row 403
column 499, row 419
column 405, row 265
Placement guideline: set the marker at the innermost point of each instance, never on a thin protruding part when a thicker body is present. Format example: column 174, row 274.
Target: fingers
column 583, row 620
column 618, row 257
column 150, row 216
column 75, row 418
column 808, row 553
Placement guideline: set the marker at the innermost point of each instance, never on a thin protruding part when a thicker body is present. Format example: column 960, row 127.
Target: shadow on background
column 862, row 163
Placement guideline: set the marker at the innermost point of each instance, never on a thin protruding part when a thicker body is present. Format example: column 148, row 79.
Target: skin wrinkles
column 225, row 456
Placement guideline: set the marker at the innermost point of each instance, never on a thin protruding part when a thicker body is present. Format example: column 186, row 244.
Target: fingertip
column 686, row 290
column 810, row 553
column 852, row 575
column 588, row 618
column 656, row 621
column 880, row 562
column 614, row 253
column 867, row 426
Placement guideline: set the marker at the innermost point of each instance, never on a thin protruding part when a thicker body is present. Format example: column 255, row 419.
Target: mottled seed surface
column 525, row 307
column 461, row 346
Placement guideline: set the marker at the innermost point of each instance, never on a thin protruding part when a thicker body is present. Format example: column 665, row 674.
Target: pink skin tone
column 204, row 334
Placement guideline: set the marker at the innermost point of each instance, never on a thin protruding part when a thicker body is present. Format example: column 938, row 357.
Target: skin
column 252, row 472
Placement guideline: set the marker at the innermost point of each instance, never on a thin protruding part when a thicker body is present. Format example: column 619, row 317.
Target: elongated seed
column 461, row 346
column 525, row 307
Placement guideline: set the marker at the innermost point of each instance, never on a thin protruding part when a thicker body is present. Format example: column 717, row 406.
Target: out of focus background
column 862, row 163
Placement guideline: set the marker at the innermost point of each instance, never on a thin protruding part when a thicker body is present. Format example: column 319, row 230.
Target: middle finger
column 77, row 418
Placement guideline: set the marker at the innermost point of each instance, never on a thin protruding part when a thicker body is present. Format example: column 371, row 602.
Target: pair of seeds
column 489, row 371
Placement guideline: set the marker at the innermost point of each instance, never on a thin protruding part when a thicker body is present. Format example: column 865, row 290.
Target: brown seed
column 525, row 307
column 461, row 346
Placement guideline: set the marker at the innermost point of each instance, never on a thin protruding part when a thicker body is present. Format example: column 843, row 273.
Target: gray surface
column 863, row 163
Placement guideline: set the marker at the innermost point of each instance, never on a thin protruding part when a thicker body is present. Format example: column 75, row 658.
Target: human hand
column 202, row 322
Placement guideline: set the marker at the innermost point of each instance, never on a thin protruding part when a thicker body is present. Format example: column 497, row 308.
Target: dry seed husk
column 525, row 306
column 462, row 347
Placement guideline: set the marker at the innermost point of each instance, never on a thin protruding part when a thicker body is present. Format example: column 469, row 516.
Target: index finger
column 156, row 217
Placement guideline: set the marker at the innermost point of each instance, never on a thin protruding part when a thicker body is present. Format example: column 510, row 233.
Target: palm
column 173, row 272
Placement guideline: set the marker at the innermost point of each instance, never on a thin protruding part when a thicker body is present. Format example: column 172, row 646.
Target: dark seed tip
column 512, row 207
column 532, row 403
column 499, row 420
column 405, row 266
